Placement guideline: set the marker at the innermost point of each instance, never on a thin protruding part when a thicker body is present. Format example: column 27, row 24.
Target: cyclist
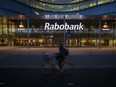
column 61, row 55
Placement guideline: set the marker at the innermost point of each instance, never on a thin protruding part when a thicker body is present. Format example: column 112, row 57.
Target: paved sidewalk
column 93, row 67
column 79, row 61
column 39, row 51
column 81, row 57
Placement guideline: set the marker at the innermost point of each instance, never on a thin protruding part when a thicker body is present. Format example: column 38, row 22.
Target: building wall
column 13, row 7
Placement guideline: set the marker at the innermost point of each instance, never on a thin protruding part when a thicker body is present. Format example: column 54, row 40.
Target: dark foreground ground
column 78, row 77
column 88, row 71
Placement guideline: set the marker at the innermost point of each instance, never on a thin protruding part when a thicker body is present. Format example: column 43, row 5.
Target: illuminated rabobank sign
column 64, row 26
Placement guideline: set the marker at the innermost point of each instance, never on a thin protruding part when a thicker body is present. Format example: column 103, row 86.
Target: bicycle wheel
column 47, row 68
column 67, row 66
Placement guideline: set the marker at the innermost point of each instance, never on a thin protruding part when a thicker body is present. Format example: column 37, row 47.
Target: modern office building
column 22, row 23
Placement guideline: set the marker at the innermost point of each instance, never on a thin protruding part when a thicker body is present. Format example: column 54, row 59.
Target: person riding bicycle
column 61, row 55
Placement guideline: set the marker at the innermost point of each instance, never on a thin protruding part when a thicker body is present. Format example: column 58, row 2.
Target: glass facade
column 33, row 34
column 58, row 6
column 60, row 1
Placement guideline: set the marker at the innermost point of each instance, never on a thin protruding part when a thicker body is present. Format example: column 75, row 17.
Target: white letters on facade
column 65, row 26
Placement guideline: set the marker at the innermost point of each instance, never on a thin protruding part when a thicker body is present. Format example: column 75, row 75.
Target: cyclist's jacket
column 64, row 52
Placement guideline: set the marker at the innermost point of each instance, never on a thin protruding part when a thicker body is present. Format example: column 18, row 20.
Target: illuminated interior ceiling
column 60, row 1
column 63, row 5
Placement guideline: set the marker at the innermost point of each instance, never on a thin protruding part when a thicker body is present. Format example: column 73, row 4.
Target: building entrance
column 30, row 31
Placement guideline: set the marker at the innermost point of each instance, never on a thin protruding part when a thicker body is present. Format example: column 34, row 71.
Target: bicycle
column 48, row 67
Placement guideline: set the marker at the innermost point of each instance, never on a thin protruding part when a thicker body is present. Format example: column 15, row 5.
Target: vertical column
column 8, row 33
column 112, row 34
column 28, row 12
column 64, row 33
column 100, row 33
column 2, row 32
column 114, row 27
column 28, row 31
